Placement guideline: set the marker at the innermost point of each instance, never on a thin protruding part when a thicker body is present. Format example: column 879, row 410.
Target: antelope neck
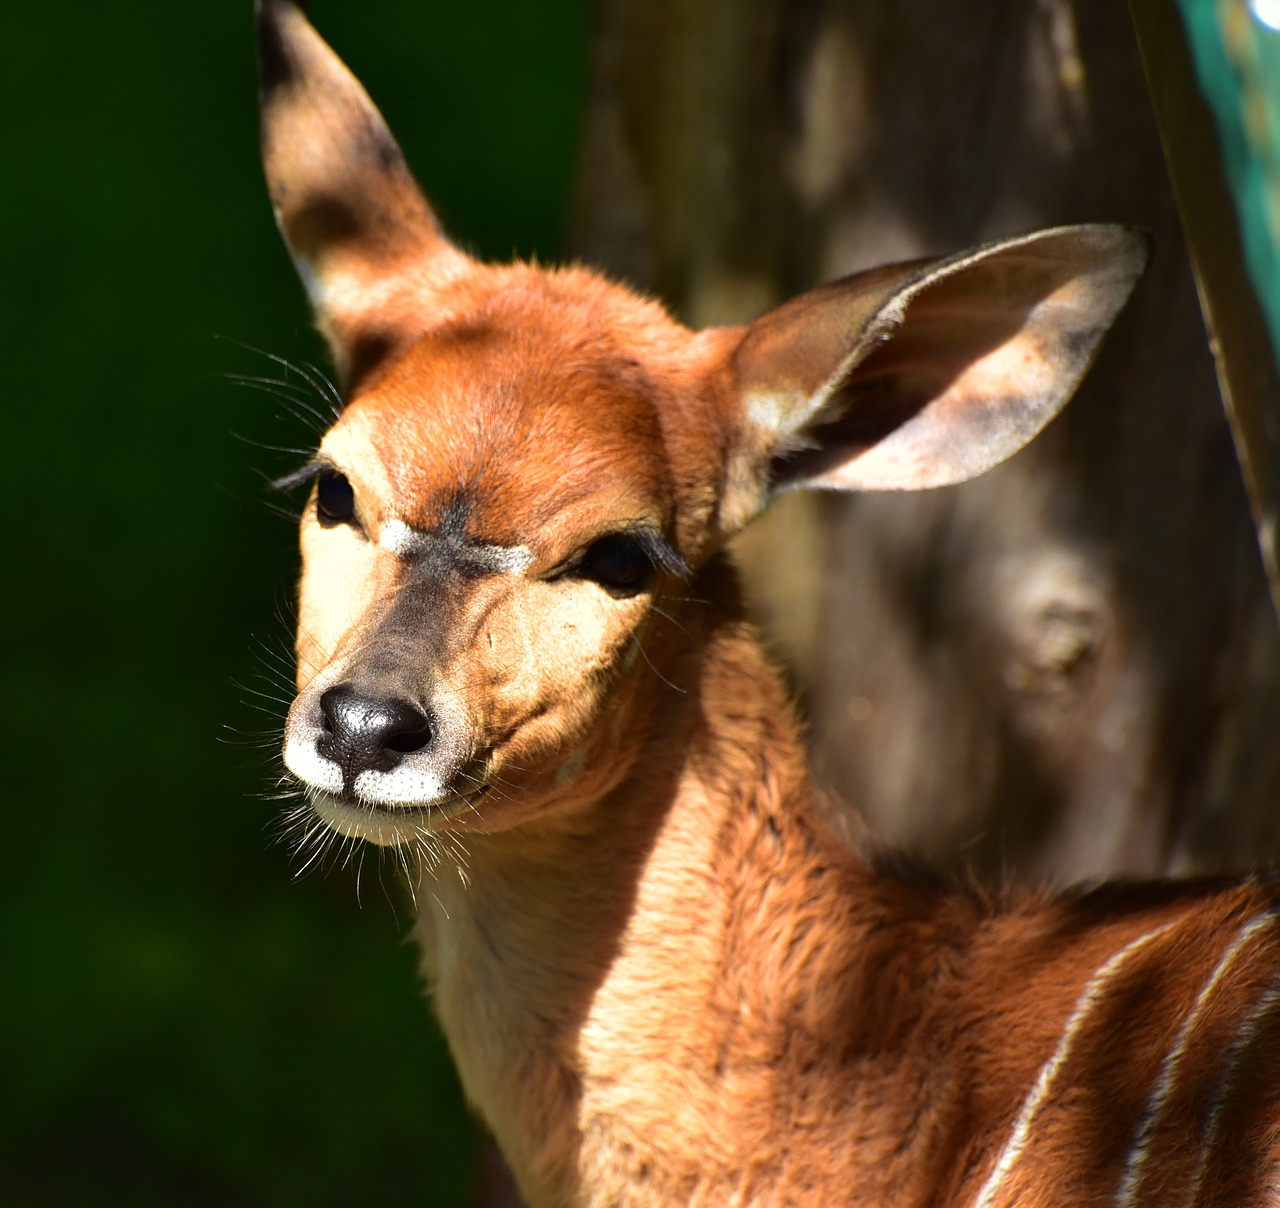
column 584, row 939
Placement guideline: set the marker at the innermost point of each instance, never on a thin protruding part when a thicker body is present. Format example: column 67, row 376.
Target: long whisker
column 314, row 377
column 644, row 654
column 295, row 403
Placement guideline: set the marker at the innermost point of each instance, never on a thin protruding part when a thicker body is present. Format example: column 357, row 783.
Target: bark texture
column 1069, row 667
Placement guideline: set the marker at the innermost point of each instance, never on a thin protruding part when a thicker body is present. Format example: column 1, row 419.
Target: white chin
column 390, row 808
column 385, row 825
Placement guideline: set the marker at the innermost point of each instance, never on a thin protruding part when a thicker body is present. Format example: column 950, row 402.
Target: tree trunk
column 1069, row 666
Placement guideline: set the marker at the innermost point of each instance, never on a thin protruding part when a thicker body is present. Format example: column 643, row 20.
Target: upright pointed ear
column 924, row 374
column 362, row 236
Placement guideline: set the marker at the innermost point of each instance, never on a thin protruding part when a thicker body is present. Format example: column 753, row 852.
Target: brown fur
column 665, row 976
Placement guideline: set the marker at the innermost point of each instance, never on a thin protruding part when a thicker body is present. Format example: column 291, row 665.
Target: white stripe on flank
column 1154, row 1113
column 1088, row 999
column 1266, row 1003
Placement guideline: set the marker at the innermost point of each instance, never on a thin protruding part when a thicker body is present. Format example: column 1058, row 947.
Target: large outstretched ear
column 361, row 234
column 924, row 374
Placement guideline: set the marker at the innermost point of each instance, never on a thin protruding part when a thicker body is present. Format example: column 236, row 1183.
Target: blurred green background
column 181, row 1022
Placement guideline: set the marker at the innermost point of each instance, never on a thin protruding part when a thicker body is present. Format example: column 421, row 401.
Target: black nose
column 368, row 733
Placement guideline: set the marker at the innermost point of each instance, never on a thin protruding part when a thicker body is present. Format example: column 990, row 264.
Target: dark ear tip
column 263, row 7
column 275, row 64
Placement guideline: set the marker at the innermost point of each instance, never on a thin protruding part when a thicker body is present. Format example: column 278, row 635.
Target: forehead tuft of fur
column 533, row 393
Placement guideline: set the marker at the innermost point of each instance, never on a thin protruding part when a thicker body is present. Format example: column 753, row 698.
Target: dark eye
column 618, row 563
column 335, row 501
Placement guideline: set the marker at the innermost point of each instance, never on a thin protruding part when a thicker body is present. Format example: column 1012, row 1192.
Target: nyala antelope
column 523, row 661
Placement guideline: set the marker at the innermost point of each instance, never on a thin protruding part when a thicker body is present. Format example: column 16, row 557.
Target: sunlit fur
column 666, row 975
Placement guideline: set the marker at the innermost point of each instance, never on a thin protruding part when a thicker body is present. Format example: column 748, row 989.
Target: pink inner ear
column 949, row 397
column 988, row 350
column 919, row 437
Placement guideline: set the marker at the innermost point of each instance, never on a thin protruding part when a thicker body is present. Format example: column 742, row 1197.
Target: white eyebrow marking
column 405, row 542
column 1169, row 1067
column 1088, row 999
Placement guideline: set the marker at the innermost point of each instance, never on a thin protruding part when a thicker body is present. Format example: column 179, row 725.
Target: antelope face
column 488, row 527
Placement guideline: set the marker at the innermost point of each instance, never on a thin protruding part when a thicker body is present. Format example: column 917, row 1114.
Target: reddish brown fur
column 539, row 349
column 665, row 974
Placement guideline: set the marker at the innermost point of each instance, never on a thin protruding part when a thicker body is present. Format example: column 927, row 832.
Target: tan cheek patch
column 341, row 582
column 538, row 665
column 342, row 576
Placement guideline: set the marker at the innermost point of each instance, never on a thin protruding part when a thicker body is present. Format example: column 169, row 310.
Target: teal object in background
column 181, row 1023
column 1235, row 45
column 1215, row 88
